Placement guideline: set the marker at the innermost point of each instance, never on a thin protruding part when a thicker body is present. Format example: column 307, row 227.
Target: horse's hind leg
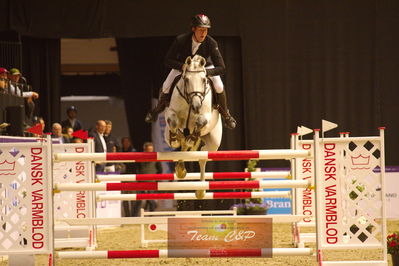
column 200, row 194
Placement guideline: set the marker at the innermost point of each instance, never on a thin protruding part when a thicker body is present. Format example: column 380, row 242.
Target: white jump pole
column 175, row 186
column 185, row 253
column 283, row 154
column 196, row 176
column 277, row 218
column 192, row 196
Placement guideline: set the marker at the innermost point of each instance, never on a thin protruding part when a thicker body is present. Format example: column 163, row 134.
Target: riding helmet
column 201, row 20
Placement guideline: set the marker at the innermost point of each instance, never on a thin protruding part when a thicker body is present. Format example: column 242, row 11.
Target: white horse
column 191, row 121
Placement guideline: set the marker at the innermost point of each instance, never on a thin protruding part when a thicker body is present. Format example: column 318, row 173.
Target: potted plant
column 353, row 195
column 251, row 206
column 393, row 247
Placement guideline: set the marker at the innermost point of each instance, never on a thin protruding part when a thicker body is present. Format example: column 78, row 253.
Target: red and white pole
column 196, row 176
column 283, row 154
column 176, row 186
column 192, row 196
column 185, row 253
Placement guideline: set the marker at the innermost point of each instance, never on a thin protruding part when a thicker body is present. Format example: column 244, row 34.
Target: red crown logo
column 6, row 166
column 360, row 160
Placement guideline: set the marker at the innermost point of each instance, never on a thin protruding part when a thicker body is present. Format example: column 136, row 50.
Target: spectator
column 3, row 80
column 72, row 121
column 56, row 129
column 67, row 133
column 14, row 76
column 127, row 146
column 77, row 140
column 147, row 168
column 111, row 140
column 112, row 145
column 18, row 88
column 99, row 141
column 130, row 168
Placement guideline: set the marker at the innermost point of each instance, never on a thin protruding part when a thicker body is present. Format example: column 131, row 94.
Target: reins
column 189, row 96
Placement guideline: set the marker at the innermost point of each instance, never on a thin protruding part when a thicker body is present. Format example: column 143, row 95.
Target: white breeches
column 217, row 81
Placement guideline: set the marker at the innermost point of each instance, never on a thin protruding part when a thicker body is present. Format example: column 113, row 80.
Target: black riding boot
column 163, row 101
column 229, row 121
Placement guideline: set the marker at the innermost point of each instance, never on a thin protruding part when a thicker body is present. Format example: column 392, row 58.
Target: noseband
column 188, row 96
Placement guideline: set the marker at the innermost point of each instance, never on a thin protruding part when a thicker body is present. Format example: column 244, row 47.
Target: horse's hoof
column 181, row 174
column 175, row 144
column 180, row 170
column 200, row 194
column 191, row 141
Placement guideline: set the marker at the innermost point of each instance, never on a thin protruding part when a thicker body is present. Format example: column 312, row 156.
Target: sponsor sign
column 219, row 233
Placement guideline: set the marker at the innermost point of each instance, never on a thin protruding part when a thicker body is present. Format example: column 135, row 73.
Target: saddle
column 177, row 78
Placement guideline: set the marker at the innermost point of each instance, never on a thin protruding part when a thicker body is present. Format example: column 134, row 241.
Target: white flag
column 304, row 131
column 327, row 125
column 298, row 130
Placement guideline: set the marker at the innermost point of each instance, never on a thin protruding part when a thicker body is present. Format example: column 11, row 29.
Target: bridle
column 188, row 96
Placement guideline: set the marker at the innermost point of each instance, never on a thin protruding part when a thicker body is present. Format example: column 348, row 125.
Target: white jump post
column 350, row 196
column 74, row 204
column 26, row 203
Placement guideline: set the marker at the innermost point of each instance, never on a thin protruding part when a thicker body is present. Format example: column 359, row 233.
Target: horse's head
column 195, row 81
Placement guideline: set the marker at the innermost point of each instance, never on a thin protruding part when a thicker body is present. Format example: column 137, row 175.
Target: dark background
column 289, row 63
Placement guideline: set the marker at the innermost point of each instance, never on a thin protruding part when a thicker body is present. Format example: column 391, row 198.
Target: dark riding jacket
column 182, row 48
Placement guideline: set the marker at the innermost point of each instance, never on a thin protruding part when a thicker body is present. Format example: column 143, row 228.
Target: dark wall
column 301, row 60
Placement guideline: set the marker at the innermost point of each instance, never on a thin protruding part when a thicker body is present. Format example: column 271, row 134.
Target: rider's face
column 200, row 33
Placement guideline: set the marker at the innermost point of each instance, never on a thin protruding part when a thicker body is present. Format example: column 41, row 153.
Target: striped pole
column 183, row 155
column 195, row 176
column 185, row 253
column 276, row 218
column 175, row 186
column 192, row 196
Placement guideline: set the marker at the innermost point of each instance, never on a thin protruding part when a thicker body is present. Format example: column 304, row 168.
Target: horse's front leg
column 173, row 124
column 180, row 167
column 193, row 139
column 200, row 194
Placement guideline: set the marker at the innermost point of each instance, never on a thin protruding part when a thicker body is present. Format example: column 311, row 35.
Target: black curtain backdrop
column 301, row 61
column 41, row 64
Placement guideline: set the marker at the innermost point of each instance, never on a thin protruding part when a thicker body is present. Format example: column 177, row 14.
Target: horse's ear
column 203, row 61
column 188, row 60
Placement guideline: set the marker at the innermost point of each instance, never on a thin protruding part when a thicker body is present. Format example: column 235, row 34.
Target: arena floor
column 127, row 237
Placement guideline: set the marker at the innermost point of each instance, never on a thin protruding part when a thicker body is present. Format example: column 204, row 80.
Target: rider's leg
column 221, row 99
column 164, row 97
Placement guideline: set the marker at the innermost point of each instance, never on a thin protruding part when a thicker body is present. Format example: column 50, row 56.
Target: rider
column 196, row 42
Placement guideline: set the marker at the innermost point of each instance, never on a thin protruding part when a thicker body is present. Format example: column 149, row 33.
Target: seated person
column 16, row 88
column 3, row 80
